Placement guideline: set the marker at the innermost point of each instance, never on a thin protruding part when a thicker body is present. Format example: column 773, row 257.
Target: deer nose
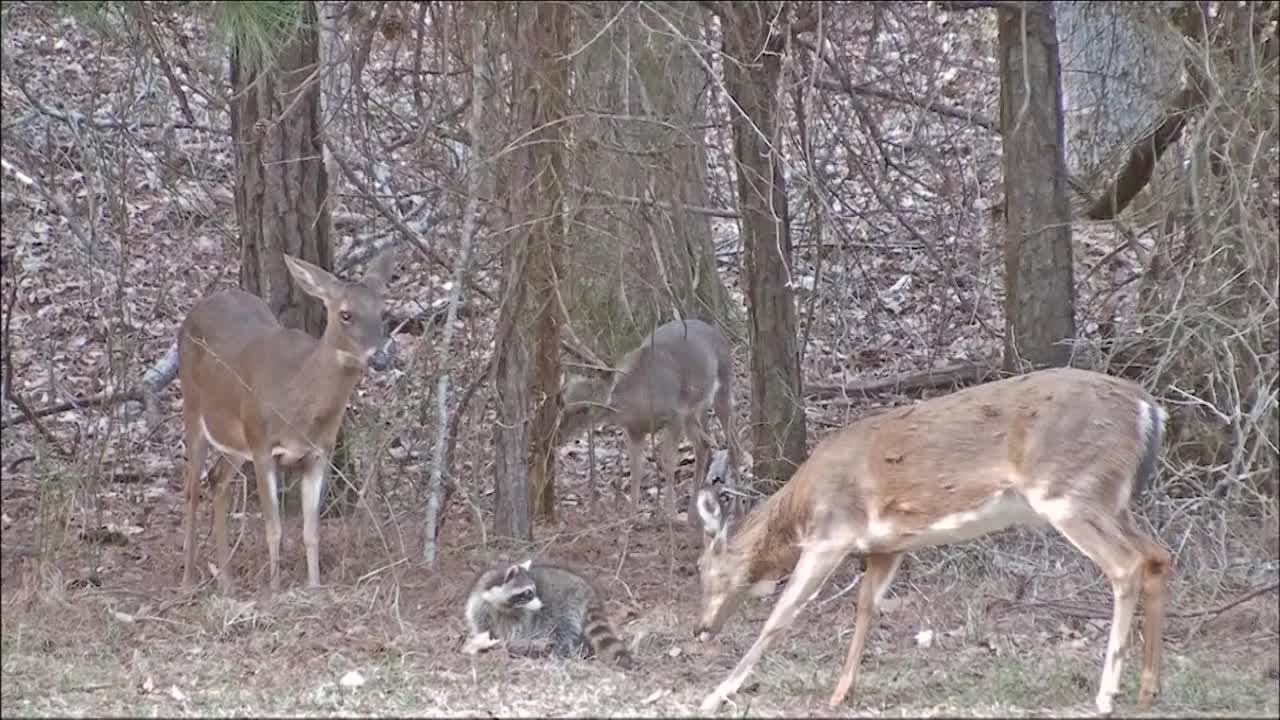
column 382, row 357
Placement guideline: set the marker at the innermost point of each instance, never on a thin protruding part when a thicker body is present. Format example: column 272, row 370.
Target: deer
column 259, row 392
column 664, row 385
column 1065, row 447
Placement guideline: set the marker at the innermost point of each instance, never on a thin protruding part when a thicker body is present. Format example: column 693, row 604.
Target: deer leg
column 724, row 413
column 635, row 450
column 875, row 581
column 1104, row 540
column 701, row 450
column 264, row 468
column 670, row 444
column 197, row 451
column 816, row 562
column 312, row 497
column 220, row 478
column 1154, row 587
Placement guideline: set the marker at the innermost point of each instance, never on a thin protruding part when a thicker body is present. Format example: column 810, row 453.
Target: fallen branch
column 961, row 374
column 1088, row 612
column 106, row 399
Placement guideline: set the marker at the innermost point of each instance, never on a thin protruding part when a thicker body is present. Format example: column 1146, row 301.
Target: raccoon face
column 517, row 590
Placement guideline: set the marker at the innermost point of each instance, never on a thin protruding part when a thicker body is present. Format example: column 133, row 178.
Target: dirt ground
column 382, row 637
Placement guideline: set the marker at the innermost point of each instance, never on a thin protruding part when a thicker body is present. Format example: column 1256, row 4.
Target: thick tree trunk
column 777, row 407
column 281, row 182
column 1039, row 284
column 546, row 146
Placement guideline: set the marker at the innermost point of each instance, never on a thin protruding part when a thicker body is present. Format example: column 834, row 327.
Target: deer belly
column 231, row 440
column 1000, row 512
column 289, row 454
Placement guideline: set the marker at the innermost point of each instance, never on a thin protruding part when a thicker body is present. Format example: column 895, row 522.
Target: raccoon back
column 574, row 606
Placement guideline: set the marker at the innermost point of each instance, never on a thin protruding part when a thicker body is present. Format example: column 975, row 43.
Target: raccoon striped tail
column 604, row 640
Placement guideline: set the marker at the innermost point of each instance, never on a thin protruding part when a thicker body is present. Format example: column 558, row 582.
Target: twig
column 149, row 25
column 10, row 394
column 435, row 491
column 1091, row 613
column 1228, row 605
column 105, row 399
column 394, row 218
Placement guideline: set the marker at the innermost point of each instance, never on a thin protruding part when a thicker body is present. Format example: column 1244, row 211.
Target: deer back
column 676, row 371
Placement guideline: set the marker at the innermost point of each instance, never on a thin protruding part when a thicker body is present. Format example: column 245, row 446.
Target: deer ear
column 379, row 271
column 313, row 280
column 710, row 511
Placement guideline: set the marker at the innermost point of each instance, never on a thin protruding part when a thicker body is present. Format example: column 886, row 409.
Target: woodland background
column 878, row 202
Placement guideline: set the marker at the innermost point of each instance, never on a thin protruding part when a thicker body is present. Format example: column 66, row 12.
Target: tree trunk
column 281, row 183
column 1039, row 284
column 546, row 147
column 777, row 408
column 511, row 369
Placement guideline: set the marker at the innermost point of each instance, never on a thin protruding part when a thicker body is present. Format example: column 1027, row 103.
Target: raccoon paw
column 479, row 643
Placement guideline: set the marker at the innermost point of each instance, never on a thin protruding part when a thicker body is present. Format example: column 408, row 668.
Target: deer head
column 724, row 569
column 353, row 310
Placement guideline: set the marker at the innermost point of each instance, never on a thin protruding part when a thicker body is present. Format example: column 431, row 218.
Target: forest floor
column 383, row 638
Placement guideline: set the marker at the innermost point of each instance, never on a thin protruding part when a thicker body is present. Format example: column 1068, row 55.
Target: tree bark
column 511, row 369
column 546, row 146
column 1039, row 283
column 281, row 183
column 777, row 407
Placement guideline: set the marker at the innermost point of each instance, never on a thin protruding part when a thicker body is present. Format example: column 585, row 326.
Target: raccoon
column 538, row 610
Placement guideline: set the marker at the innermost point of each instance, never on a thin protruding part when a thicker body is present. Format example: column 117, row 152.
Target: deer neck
column 769, row 539
column 329, row 374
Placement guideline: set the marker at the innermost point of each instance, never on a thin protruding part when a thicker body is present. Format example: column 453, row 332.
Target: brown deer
column 261, row 393
column 1065, row 447
column 666, row 384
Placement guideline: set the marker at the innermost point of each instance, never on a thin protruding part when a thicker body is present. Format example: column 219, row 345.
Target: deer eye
column 345, row 315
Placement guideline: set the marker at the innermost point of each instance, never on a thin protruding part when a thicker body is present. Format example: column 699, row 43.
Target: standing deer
column 665, row 384
column 1063, row 446
column 261, row 393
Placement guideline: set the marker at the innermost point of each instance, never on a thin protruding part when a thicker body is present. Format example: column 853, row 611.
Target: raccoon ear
column 511, row 572
column 527, row 564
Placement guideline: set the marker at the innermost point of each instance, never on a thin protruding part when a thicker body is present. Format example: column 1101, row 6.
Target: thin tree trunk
column 777, row 407
column 1039, row 284
column 440, row 461
column 551, row 73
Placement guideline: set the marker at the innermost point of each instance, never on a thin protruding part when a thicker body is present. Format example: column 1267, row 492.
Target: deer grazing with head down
column 666, row 385
column 1065, row 447
column 258, row 392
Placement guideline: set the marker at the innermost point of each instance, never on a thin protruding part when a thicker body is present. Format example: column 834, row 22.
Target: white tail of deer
column 666, row 384
column 1065, row 447
column 261, row 393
